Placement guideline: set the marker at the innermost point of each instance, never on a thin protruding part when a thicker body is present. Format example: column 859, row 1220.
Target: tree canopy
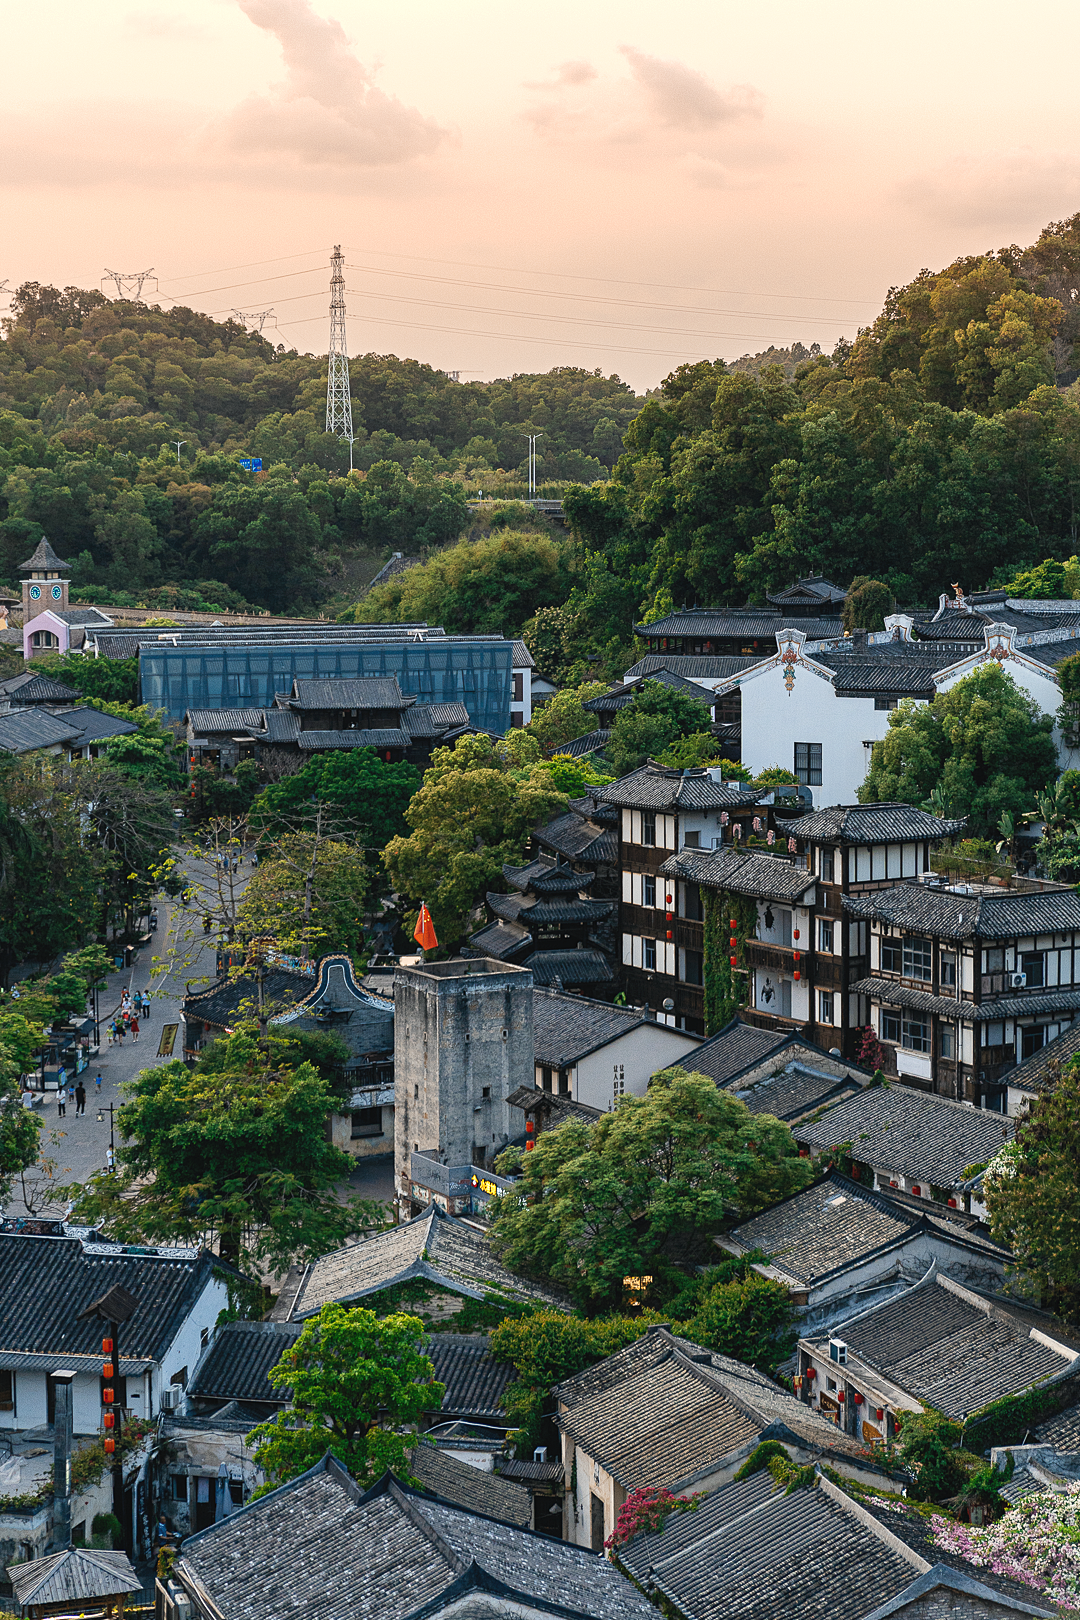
column 361, row 795
column 658, row 717
column 980, row 749
column 356, row 1384
column 643, row 1190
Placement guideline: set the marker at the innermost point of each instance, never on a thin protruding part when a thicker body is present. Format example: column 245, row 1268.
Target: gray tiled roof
column 73, row 1576
column 319, row 1549
column 734, row 1049
column 663, row 1411
column 952, row 1349
column 714, row 624
column 235, row 1364
column 797, row 1080
column 470, row 1488
column 377, row 737
column 811, row 588
column 1020, row 1004
column 579, row 839
column 432, row 719
column 742, row 871
column 568, row 1028
column 46, row 1282
column 1037, row 1071
column 551, row 1108
column 433, row 1246
column 623, row 693
column 33, row 688
column 654, row 787
column 475, row 1382
column 23, row 730
column 695, row 666
column 911, row 675
column 870, row 824
column 750, row 1551
column 944, row 914
column 590, row 742
column 826, row 1228
column 545, row 876
column 75, row 617
column 223, row 1002
column 44, row 556
column 363, row 692
column 499, row 939
column 522, row 657
column 93, row 726
column 541, row 908
column 912, row 1133
column 1053, row 653
column 281, row 725
column 569, row 967
column 225, row 720
column 1061, row 1431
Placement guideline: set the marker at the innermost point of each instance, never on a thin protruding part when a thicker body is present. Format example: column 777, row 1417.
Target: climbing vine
column 726, row 988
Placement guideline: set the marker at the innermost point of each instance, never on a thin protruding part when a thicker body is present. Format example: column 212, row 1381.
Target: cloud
column 1014, row 191
column 684, row 99
column 567, row 74
column 327, row 111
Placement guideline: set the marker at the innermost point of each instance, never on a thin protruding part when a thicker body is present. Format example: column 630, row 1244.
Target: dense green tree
column 361, row 795
column 658, row 717
column 564, row 716
column 478, row 803
column 356, row 1384
column 866, row 604
column 234, row 1154
column 982, row 748
column 644, row 1189
column 308, row 894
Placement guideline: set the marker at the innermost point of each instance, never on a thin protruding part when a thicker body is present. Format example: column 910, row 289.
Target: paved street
column 79, row 1144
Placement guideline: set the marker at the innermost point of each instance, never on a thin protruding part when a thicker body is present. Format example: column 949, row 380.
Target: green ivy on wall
column 726, row 988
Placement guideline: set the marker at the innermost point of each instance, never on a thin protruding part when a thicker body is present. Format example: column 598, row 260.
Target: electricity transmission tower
column 254, row 318
column 130, row 284
column 338, row 395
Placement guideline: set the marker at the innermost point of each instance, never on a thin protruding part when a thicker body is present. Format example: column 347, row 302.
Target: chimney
column 62, row 1430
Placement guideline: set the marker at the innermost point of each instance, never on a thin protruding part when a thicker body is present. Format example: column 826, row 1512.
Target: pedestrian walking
column 61, row 1102
column 120, row 1032
column 80, row 1099
column 110, row 1160
column 97, row 1082
column 146, row 1003
column 134, row 1029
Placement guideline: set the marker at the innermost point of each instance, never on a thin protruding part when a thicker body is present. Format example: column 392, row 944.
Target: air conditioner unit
column 171, row 1398
column 838, row 1352
column 540, row 1454
column 1017, row 981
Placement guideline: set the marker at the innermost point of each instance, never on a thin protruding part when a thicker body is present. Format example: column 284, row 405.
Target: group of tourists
column 126, row 1021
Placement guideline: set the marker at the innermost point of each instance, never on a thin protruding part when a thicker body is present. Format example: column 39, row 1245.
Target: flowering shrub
column 646, row 1511
column 1037, row 1542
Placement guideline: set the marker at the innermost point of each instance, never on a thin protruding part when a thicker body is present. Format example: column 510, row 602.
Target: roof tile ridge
column 879, row 1531
column 924, row 1282
column 409, row 1504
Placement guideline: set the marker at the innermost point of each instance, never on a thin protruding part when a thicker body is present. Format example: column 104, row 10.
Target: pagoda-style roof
column 44, row 557
column 75, row 1576
column 547, row 877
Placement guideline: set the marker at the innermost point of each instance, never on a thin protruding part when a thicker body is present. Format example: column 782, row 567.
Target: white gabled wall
column 774, row 719
column 187, row 1346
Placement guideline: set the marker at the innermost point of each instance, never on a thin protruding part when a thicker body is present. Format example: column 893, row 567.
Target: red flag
column 424, row 932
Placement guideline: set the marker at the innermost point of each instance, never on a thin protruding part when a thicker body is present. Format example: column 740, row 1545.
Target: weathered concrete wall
column 463, row 1039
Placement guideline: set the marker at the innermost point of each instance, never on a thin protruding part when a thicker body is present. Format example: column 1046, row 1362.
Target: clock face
column 35, row 592
column 57, row 592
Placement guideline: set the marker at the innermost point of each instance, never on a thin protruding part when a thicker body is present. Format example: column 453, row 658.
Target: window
column 825, row 1015
column 915, row 1035
column 7, row 1391
column 946, row 1041
column 179, row 1378
column 545, row 1077
column 995, row 961
column 367, row 1122
column 884, row 703
column 890, row 1027
column 827, row 866
column 1032, row 1040
column 948, row 969
column 918, row 959
column 648, row 954
column 890, row 956
column 692, row 840
column 519, row 688
column 648, row 828
column 487, row 1089
column 808, row 763
column 1033, row 963
column 648, row 891
column 693, row 967
column 824, row 935
column 179, row 1487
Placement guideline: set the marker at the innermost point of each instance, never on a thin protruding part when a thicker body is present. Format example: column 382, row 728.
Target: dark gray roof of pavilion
column 33, row 687
column 715, row 624
column 475, row 1382
column 44, row 557
column 24, row 730
column 590, row 742
column 319, row 1548
column 557, row 968
column 579, row 838
column 734, row 1049
column 916, row 1134
column 75, row 1576
column 870, row 824
column 235, row 1365
column 741, row 871
column 655, row 787
column 695, row 666
column 945, row 914
column 1039, row 1070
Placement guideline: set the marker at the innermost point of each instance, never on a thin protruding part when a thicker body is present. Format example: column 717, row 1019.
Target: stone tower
column 42, row 586
column 463, row 1041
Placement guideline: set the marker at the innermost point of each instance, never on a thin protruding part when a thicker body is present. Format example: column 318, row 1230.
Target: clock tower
column 42, row 586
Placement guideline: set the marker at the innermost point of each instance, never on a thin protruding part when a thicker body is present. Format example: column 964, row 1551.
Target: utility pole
column 532, row 438
column 338, row 393
column 130, row 283
column 178, row 443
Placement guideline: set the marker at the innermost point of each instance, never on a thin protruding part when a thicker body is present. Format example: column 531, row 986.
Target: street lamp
column 178, row 443
column 101, row 1120
column 532, row 438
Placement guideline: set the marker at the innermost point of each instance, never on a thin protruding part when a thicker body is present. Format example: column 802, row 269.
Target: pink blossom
column 1036, row 1542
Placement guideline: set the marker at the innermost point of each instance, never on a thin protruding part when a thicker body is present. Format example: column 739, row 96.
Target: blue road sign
column 252, row 465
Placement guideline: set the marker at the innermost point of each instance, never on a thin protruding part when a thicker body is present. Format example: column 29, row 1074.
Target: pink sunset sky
column 580, row 183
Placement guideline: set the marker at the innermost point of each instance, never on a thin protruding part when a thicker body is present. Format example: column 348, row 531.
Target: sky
column 615, row 186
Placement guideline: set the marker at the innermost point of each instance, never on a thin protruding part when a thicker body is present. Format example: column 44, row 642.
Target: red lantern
column 106, row 1347
column 795, row 934
column 734, row 923
column 733, row 960
column 108, row 1371
column 880, row 1414
column 109, row 1420
column 529, row 1127
column 108, row 1396
column 917, row 1191
column 110, row 1445
column 528, row 1147
column 798, row 956
column 857, row 1398
column 669, row 915
column 811, row 1373
column 797, row 975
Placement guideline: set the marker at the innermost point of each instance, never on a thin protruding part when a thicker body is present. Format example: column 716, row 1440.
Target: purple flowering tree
column 1036, row 1542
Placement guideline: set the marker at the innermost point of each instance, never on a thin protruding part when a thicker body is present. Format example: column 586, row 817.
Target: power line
column 338, row 393
column 254, row 263
column 237, row 286
column 598, row 298
column 614, row 281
